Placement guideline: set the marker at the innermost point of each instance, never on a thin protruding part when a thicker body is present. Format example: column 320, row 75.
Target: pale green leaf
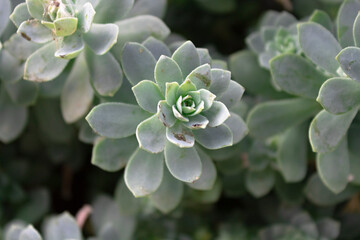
column 208, row 173
column 220, row 81
column 86, row 16
column 232, row 95
column 201, row 76
column 260, row 183
column 113, row 154
column 327, row 130
column 180, row 135
column 319, row 45
column 148, row 95
column 156, row 47
column 296, row 75
column 183, row 163
column 70, row 47
column 292, row 154
column 105, row 73
column 101, row 37
column 214, row 137
column 217, row 114
column 237, row 126
column 270, row 118
column 339, row 95
column 43, row 66
column 144, row 172
column 116, row 120
column 167, row 71
column 151, row 135
column 20, row 14
column 187, row 58
column 113, row 10
column 349, row 62
column 169, row 194
column 165, row 114
column 138, row 63
column 334, row 167
column 34, row 31
column 345, row 22
column 77, row 94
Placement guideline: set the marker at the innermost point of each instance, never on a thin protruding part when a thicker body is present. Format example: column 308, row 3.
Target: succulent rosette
column 277, row 35
column 66, row 28
column 182, row 108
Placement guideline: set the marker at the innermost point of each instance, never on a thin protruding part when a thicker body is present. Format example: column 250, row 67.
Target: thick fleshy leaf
column 232, row 95
column 334, row 168
column 349, row 62
column 201, row 76
column 187, row 58
column 151, row 135
column 220, row 81
column 116, row 120
column 113, row 154
column 86, row 17
column 138, row 29
column 285, row 19
column 280, row 115
column 20, row 14
column 319, row 45
column 156, row 47
column 101, row 37
column 105, row 73
column 35, row 8
column 322, row 18
column 296, row 75
column 23, row 92
column 11, row 68
column 185, row 87
column 113, row 10
column 33, row 30
column 345, row 21
column 165, row 114
column 237, row 126
column 207, row 97
column 29, row 233
column 62, row 227
column 204, row 56
column 70, row 47
column 171, row 92
column 217, row 114
column 197, row 122
column 65, row 26
column 138, row 63
column 13, row 118
column 43, row 66
column 292, row 154
column 180, row 136
column 125, row 199
column 339, row 95
column 169, row 194
column 167, row 71
column 255, row 42
column 147, row 95
column 214, row 137
column 246, row 71
column 183, row 163
column 144, row 172
column 208, row 175
column 327, row 130
column 152, row 7
column 260, row 183
column 178, row 115
column 19, row 47
column 4, row 14
column 319, row 194
column 77, row 94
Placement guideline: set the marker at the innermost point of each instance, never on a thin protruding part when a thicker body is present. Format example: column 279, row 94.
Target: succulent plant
column 67, row 28
column 174, row 113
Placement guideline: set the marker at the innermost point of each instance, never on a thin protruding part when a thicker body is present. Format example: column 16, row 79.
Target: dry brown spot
column 180, row 137
column 25, row 36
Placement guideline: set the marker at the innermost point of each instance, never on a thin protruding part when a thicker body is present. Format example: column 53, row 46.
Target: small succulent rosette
column 66, row 28
column 182, row 108
column 277, row 35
